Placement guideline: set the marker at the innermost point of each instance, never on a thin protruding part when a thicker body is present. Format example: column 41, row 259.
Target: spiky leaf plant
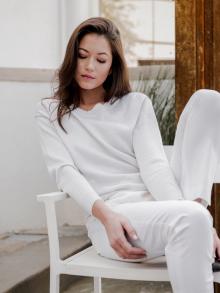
column 158, row 83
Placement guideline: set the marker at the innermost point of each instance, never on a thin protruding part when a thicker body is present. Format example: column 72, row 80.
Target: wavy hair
column 116, row 84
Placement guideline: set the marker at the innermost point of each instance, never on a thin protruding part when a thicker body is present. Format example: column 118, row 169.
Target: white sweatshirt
column 113, row 152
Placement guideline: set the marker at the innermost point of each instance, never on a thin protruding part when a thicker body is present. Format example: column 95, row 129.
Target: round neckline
column 95, row 109
column 95, row 106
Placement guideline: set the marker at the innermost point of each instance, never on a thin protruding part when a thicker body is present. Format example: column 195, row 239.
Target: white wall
column 30, row 30
column 33, row 35
column 23, row 173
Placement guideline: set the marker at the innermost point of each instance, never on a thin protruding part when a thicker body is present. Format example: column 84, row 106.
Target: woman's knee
column 197, row 216
column 191, row 225
column 206, row 99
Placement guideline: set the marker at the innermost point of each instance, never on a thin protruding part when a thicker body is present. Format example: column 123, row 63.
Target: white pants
column 181, row 230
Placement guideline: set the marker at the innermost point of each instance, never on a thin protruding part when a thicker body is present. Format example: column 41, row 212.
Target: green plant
column 158, row 83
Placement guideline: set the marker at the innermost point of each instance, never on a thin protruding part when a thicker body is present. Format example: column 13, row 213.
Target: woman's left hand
column 216, row 244
column 216, row 248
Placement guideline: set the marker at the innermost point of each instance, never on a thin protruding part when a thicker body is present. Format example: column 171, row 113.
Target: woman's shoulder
column 136, row 98
column 134, row 101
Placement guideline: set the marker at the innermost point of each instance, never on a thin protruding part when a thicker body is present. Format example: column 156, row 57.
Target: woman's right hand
column 116, row 225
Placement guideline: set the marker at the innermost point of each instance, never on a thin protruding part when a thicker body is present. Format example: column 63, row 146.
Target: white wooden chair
column 89, row 263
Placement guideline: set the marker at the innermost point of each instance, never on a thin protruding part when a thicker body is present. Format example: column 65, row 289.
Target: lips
column 87, row 76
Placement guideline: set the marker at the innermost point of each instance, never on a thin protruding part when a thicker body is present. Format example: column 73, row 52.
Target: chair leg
column 97, row 285
column 54, row 282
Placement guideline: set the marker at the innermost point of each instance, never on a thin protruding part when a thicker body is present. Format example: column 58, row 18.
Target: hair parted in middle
column 116, row 84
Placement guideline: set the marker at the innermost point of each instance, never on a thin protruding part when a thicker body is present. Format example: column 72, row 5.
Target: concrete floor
column 85, row 285
column 24, row 257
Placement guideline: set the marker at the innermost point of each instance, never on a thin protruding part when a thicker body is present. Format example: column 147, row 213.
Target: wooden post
column 198, row 63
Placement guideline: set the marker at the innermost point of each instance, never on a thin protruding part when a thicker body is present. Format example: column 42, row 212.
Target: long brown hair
column 116, row 84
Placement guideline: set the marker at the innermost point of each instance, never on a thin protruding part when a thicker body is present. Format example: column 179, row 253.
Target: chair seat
column 89, row 263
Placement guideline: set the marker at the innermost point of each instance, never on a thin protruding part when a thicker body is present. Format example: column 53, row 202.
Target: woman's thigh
column 153, row 222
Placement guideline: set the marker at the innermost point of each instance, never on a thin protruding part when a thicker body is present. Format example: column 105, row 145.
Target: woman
column 103, row 147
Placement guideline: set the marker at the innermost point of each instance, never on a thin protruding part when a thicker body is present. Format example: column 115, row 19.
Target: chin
column 87, row 86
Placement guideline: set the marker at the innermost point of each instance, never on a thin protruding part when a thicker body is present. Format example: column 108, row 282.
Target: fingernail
column 135, row 237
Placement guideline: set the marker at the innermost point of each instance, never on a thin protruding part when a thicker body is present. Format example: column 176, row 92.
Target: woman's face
column 94, row 61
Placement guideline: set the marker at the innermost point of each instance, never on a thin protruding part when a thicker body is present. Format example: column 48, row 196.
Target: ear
column 110, row 71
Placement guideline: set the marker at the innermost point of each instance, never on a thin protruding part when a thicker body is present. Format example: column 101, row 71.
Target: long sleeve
column 60, row 165
column 151, row 158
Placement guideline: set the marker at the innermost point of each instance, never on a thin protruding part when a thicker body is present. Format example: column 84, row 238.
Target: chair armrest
column 49, row 200
column 52, row 196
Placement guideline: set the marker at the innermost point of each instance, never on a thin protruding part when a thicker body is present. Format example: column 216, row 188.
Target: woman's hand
column 216, row 244
column 116, row 226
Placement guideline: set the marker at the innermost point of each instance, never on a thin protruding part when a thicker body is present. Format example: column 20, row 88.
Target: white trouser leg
column 182, row 230
column 189, row 253
column 196, row 150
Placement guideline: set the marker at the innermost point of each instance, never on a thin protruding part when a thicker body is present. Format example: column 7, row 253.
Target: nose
column 90, row 64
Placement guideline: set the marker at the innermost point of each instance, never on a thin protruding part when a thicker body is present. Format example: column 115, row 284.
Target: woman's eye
column 101, row 61
column 81, row 56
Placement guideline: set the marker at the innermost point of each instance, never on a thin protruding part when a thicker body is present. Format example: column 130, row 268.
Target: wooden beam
column 198, row 63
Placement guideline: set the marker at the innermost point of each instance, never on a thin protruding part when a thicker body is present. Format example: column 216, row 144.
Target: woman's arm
column 151, row 158
column 154, row 166
column 60, row 164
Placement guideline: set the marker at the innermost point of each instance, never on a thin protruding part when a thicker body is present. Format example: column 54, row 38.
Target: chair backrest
column 50, row 200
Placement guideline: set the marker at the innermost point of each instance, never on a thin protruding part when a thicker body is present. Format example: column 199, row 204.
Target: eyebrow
column 100, row 53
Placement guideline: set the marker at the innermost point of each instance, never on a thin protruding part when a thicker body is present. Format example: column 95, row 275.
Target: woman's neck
column 92, row 97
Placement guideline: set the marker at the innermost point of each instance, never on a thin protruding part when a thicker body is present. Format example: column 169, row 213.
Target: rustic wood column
column 198, row 62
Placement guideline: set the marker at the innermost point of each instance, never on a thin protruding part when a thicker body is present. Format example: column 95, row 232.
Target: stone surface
column 85, row 285
column 24, row 257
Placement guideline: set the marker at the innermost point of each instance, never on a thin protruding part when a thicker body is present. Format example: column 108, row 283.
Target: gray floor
column 85, row 285
column 29, row 250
